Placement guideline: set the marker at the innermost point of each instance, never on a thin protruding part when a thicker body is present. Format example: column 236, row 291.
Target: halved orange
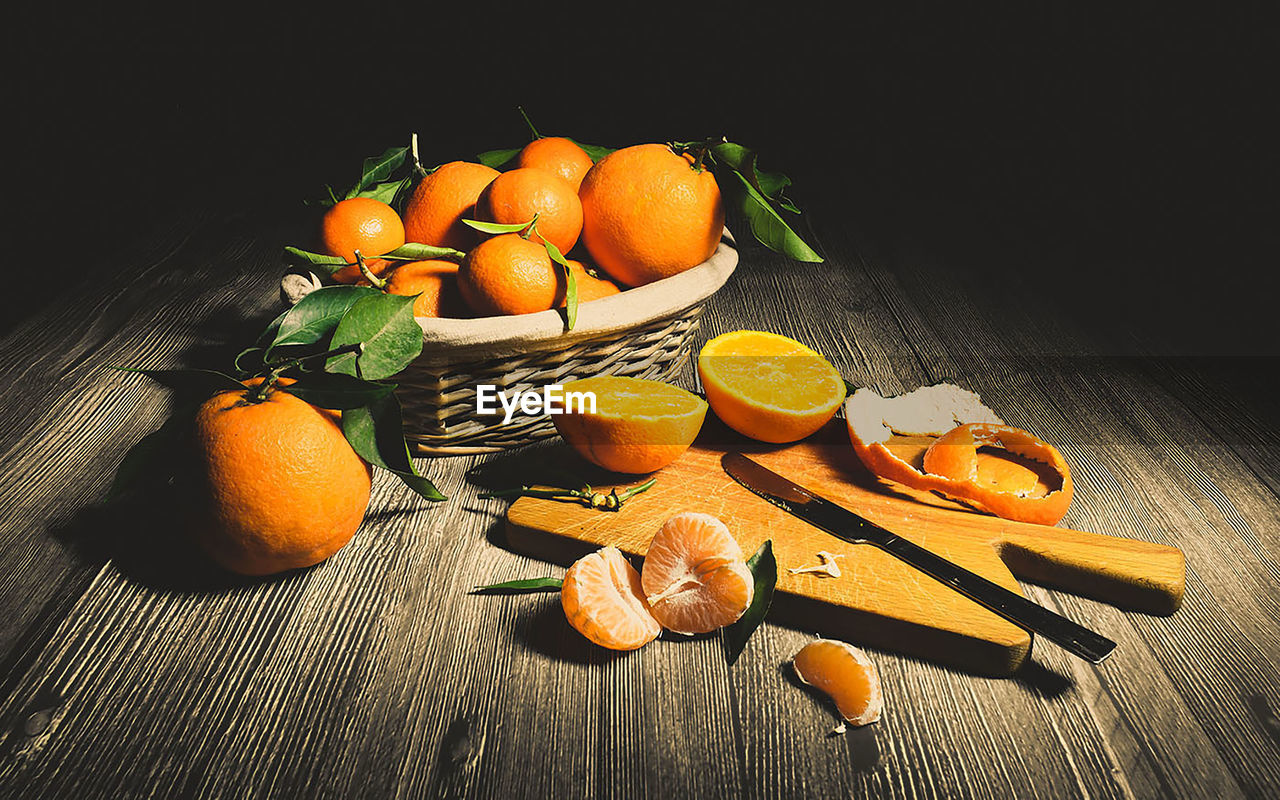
column 769, row 387
column 602, row 599
column 694, row 578
column 844, row 673
column 638, row 425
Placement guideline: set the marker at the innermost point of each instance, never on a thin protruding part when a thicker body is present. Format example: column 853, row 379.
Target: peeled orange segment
column 603, row 601
column 694, row 578
column 638, row 425
column 769, row 387
column 845, row 674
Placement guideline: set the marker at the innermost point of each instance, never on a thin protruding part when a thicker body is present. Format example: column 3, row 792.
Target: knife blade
column 845, row 524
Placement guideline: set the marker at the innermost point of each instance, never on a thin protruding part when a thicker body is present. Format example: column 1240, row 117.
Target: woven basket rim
column 496, row 336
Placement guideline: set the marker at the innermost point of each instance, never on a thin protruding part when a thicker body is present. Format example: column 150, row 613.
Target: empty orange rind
column 1001, row 486
column 974, row 459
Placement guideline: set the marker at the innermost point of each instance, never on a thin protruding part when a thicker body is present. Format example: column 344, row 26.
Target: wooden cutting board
column 877, row 601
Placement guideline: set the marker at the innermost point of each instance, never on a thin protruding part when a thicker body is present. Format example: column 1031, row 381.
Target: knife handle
column 1012, row 606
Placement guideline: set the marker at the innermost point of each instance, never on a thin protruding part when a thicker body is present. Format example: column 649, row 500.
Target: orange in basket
column 441, row 200
column 559, row 155
column 648, row 213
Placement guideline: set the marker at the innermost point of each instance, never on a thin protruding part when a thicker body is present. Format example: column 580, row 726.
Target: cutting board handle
column 1128, row 573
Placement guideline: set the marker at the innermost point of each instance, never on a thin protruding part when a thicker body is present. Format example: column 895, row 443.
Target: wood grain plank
column 377, row 675
column 1090, row 394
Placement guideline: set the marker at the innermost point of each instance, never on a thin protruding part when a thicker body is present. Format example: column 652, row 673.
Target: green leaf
column 151, row 461
column 318, row 261
column 571, row 284
column 769, row 184
column 336, row 391
column 596, row 151
column 384, row 325
column 497, row 227
column 413, row 251
column 194, row 381
column 384, row 192
column 268, row 334
column 497, row 159
column 764, row 570
column 527, row 586
column 317, row 315
column 379, row 168
column 376, row 433
column 768, row 227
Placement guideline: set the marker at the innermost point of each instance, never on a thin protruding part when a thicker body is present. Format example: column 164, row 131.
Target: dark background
column 1119, row 163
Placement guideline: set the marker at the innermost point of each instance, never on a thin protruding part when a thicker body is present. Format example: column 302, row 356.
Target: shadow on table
column 147, row 540
column 542, row 627
column 864, row 750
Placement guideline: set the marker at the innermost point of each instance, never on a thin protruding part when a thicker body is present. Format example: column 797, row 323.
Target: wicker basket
column 644, row 333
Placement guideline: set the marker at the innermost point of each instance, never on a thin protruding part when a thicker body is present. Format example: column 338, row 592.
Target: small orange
column 278, row 486
column 769, row 387
column 844, row 673
column 648, row 213
column 589, row 286
column 442, row 200
column 516, row 196
column 435, row 282
column 509, row 274
column 694, row 578
column 360, row 223
column 603, row 601
column 558, row 155
column 637, row 426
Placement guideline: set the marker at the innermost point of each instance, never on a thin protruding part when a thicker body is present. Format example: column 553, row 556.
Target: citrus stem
column 702, row 154
column 534, row 130
column 533, row 226
column 278, row 367
column 368, row 273
column 413, row 153
column 586, row 496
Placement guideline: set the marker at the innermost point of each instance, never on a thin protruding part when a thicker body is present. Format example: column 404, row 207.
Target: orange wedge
column 638, row 425
column 694, row 578
column 845, row 674
column 769, row 387
column 603, row 601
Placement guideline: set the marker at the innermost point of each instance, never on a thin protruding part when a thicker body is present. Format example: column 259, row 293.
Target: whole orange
column 589, row 286
column 516, row 196
column 648, row 213
column 442, row 200
column 559, row 155
column 360, row 223
column 279, row 487
column 508, row 274
column 435, row 282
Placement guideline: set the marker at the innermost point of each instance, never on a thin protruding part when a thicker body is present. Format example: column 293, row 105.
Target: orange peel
column 954, row 456
column 962, row 425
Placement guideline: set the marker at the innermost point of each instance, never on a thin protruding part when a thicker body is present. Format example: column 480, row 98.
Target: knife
column 844, row 524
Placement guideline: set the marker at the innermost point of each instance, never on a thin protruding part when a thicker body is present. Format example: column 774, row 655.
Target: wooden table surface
column 132, row 671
